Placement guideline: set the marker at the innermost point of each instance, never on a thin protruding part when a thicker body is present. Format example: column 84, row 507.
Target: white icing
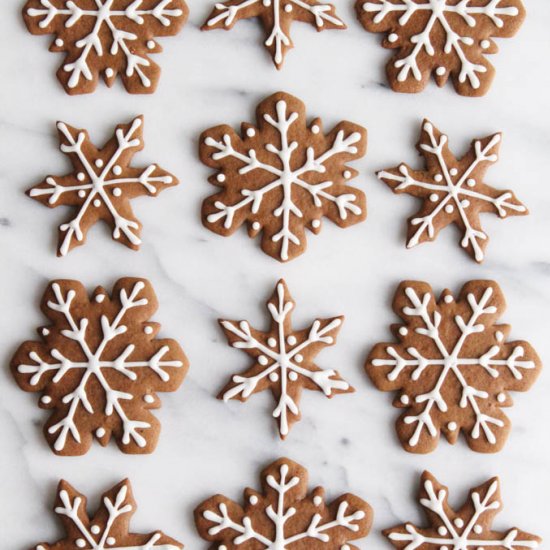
column 459, row 522
column 59, row 42
column 347, row 174
column 393, row 37
column 220, row 177
column 451, row 363
column 284, row 359
column 97, row 184
column 256, row 226
column 148, row 329
column 100, row 432
column 151, row 44
column 317, row 500
column 149, row 399
column 100, row 298
column 405, row 399
column 452, row 191
column 452, row 426
column 250, row 132
column 95, row 529
column 403, row 331
column 109, row 72
column 46, row 399
column 117, row 192
column 316, row 224
column 448, row 299
column 253, row 500
column 45, row 332
column 485, row 44
column 501, row 397
column 440, row 71
column 94, row 365
column 287, row 177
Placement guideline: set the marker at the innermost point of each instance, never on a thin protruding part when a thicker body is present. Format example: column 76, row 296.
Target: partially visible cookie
column 109, row 528
column 443, row 39
column 103, row 39
column 452, row 190
column 99, row 366
column 451, row 366
column 283, row 359
column 283, row 515
column 469, row 528
column 101, row 185
column 282, row 176
column 276, row 17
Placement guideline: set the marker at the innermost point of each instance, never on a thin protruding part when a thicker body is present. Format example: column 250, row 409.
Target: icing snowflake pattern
column 283, row 516
column 283, row 359
column 282, row 176
column 443, row 38
column 99, row 366
column 101, row 185
column 468, row 529
column 106, row 38
column 276, row 17
column 108, row 529
column 452, row 190
column 452, row 367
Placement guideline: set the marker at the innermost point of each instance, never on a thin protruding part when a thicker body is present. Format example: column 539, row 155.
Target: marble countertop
column 347, row 443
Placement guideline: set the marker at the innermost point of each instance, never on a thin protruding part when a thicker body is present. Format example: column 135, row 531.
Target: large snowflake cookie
column 452, row 190
column 282, row 176
column 108, row 529
column 99, row 366
column 443, row 38
column 283, row 359
column 106, row 38
column 282, row 515
column 452, row 367
column 101, row 185
column 469, row 528
column 277, row 17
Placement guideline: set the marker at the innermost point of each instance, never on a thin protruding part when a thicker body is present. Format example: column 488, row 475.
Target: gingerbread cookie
column 101, row 185
column 282, row 176
column 109, row 528
column 283, row 359
column 106, row 38
column 453, row 190
column 284, row 515
column 277, row 17
column 441, row 38
column 99, row 366
column 451, row 367
column 468, row 529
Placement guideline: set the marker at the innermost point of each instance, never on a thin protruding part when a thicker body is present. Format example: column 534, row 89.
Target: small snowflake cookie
column 283, row 515
column 282, row 176
column 101, row 185
column 99, row 366
column 106, row 38
column 452, row 367
column 470, row 528
column 283, row 359
column 452, row 190
column 443, row 38
column 109, row 528
column 277, row 17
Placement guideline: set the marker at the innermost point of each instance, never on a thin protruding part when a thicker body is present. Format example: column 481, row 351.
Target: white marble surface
column 206, row 446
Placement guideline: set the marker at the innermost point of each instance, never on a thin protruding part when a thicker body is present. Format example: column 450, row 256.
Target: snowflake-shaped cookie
column 443, row 38
column 108, row 529
column 277, row 17
column 452, row 367
column 106, row 38
column 101, row 185
column 283, row 515
column 99, row 366
column 282, row 176
column 468, row 529
column 452, row 190
column 283, row 359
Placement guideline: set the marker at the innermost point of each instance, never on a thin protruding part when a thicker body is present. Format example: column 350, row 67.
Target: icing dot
column 81, row 176
column 345, row 547
column 263, row 360
column 148, row 329
column 220, row 177
column 448, row 299
column 434, row 197
column 317, row 500
column 499, row 336
column 100, row 432
column 99, row 298
column 440, row 71
column 46, row 399
column 99, row 163
column 316, row 224
column 81, row 193
column 274, row 377
column 97, row 203
column 288, row 8
column 292, row 376
column 81, row 543
column 298, row 358
column 109, row 72
column 111, row 541
column 478, row 529
column 465, row 203
column 347, row 174
column 443, row 548
column 438, row 177
column 251, row 132
column 470, row 182
column 485, row 44
column 266, row 3
column 256, row 226
column 452, row 426
column 271, row 342
column 403, row 331
column 449, row 209
column 442, row 530
column 405, row 399
column 253, row 500
column 315, row 129
column 151, row 44
column 453, row 171
column 148, row 399
column 222, row 547
column 45, row 332
column 501, row 397
column 59, row 42
column 393, row 37
column 117, row 170
column 291, row 340
column 117, row 192
column 95, row 530
column 459, row 522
